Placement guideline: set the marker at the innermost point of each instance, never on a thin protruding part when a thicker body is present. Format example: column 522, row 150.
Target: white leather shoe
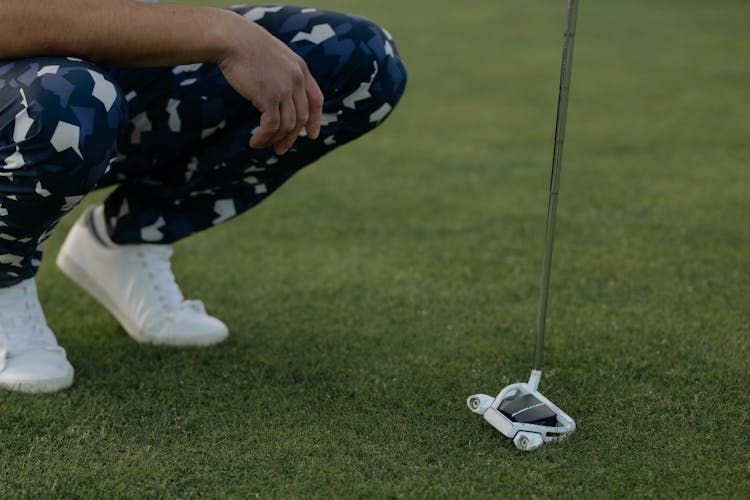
column 135, row 283
column 30, row 358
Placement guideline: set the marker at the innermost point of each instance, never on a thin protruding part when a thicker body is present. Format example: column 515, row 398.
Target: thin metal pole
column 562, row 114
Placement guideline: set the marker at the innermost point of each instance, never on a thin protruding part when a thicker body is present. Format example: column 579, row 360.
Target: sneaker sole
column 82, row 278
column 45, row 386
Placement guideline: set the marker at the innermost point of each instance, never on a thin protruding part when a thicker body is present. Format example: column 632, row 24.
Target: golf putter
column 520, row 411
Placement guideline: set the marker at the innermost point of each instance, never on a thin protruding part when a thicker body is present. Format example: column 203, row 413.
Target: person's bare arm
column 129, row 33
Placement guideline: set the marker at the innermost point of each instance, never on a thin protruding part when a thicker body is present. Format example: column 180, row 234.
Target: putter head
column 523, row 414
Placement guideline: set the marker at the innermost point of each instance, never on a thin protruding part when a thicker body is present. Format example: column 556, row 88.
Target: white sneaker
column 30, row 358
column 135, row 283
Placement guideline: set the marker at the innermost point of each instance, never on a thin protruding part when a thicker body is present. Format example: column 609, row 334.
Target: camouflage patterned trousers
column 173, row 140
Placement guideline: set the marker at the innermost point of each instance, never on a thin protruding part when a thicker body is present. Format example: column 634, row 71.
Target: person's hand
column 276, row 81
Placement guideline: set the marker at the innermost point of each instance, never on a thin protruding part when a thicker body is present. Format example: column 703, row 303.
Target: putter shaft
column 562, row 115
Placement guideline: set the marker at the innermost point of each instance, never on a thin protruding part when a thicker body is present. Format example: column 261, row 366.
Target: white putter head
column 523, row 414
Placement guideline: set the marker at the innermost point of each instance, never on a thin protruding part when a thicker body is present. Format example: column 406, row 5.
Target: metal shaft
column 562, row 114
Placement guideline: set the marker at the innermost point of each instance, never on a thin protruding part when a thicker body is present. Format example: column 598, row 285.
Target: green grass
column 382, row 286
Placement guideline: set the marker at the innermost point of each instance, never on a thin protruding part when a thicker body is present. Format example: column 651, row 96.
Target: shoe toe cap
column 194, row 329
column 39, row 370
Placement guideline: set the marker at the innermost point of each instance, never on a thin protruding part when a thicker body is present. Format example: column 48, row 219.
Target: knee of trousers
column 376, row 72
column 59, row 123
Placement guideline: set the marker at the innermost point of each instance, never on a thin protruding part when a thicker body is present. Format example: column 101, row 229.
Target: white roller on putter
column 526, row 437
column 523, row 401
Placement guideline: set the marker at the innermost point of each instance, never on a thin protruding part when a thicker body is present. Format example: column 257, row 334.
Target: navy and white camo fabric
column 173, row 140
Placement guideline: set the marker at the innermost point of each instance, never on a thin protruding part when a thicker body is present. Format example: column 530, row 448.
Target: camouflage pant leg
column 59, row 120
column 185, row 164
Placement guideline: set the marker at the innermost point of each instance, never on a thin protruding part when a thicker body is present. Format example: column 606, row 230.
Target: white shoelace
column 22, row 322
column 155, row 261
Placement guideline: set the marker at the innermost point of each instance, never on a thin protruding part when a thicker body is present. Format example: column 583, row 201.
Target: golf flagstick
column 520, row 412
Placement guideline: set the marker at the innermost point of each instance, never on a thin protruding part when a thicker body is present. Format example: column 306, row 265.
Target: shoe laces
column 155, row 262
column 22, row 322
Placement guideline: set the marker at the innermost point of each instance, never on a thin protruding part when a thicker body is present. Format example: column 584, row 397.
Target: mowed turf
column 385, row 284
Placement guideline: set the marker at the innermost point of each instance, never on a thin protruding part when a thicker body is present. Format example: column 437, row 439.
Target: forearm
column 116, row 32
column 127, row 33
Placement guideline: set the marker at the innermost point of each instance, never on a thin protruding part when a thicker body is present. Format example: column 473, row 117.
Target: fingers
column 302, row 114
column 285, row 137
column 277, row 122
column 284, row 117
column 270, row 121
column 314, row 106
